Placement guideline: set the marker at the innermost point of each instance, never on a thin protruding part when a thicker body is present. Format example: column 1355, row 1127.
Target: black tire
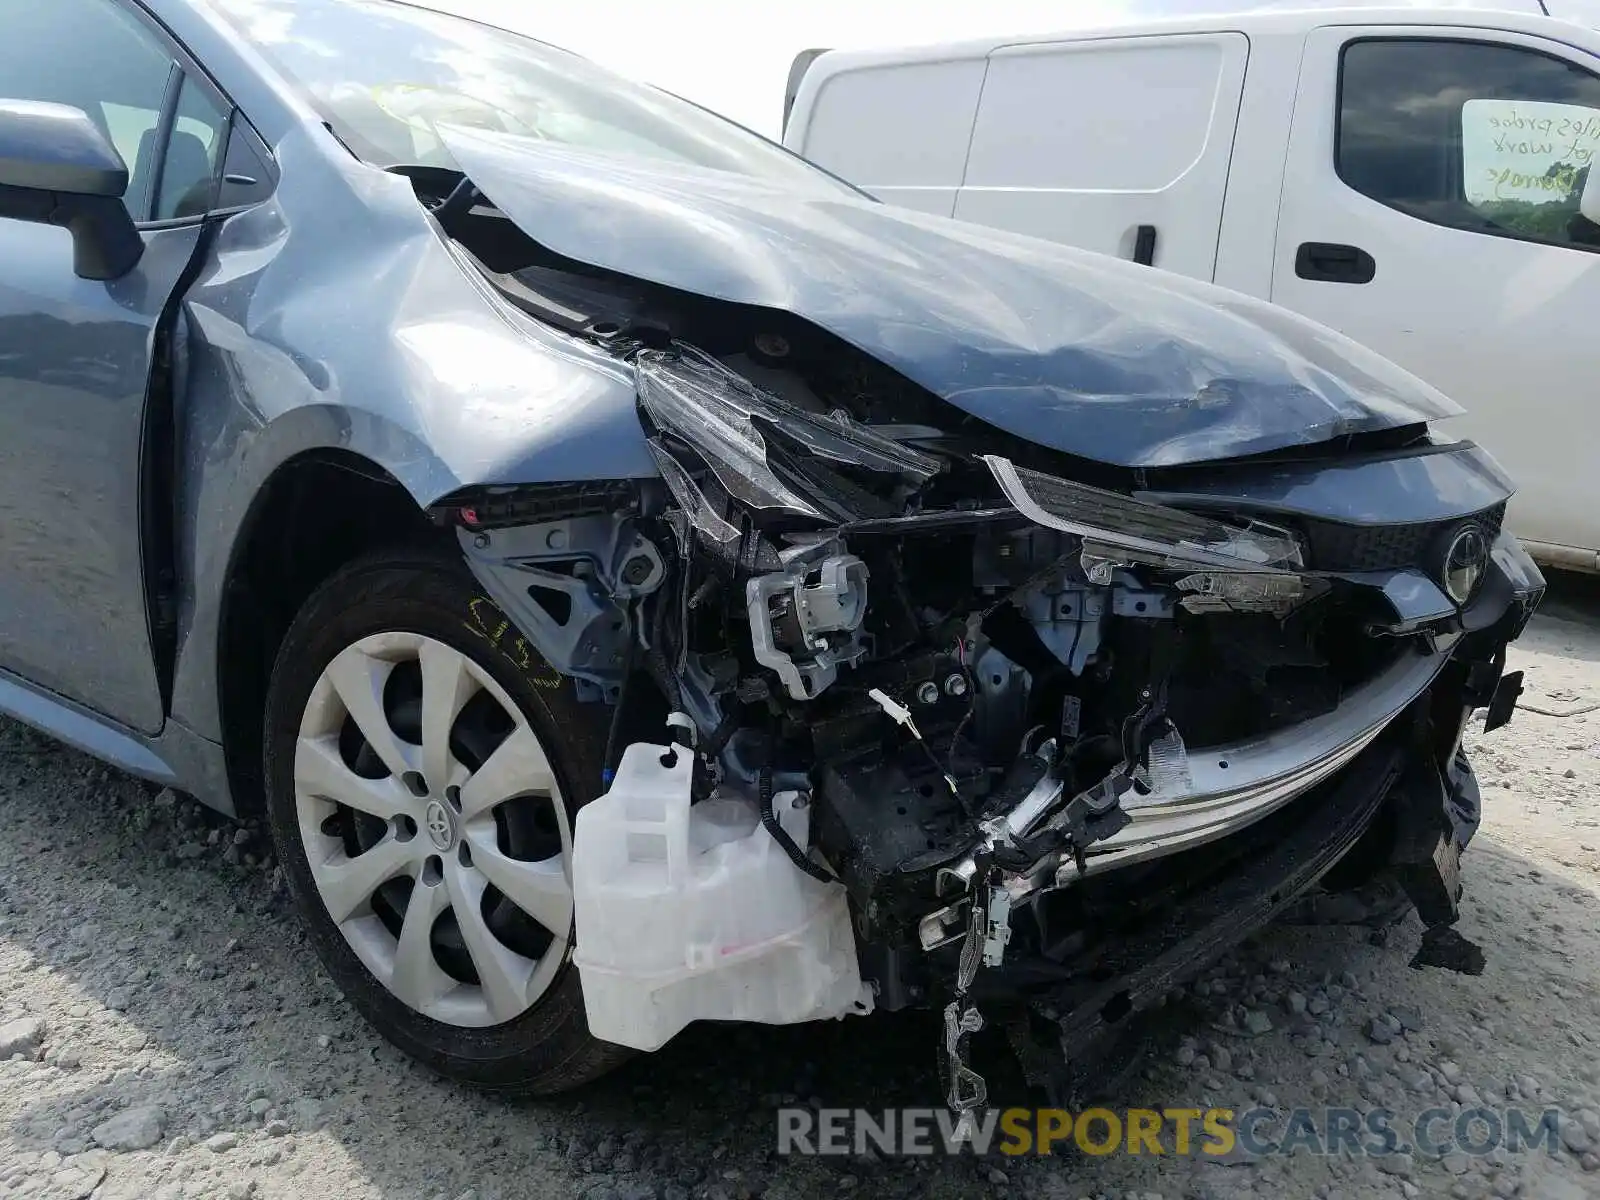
column 548, row 1048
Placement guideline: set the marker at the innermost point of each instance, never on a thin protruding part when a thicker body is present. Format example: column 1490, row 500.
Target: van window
column 1488, row 138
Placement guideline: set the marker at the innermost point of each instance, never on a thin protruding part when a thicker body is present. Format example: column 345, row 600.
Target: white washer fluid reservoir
column 693, row 913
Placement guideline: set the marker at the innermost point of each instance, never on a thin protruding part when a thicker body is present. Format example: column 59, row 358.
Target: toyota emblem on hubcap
column 441, row 826
column 1464, row 562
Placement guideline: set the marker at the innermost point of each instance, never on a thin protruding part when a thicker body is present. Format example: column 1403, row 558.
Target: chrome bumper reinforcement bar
column 1230, row 788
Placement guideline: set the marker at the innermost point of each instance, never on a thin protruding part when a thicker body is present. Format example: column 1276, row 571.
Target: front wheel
column 423, row 769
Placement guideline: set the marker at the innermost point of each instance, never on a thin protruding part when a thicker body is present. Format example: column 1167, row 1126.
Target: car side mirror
column 57, row 168
column 1589, row 200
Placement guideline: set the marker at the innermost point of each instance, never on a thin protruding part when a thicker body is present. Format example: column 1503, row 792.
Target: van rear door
column 1119, row 145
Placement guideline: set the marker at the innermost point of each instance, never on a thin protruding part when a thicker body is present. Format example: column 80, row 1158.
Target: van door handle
column 1333, row 262
column 1144, row 245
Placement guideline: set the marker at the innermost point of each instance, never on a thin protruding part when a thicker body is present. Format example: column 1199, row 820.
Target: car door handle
column 1333, row 262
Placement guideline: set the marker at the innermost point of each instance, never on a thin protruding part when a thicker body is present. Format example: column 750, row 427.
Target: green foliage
column 1548, row 220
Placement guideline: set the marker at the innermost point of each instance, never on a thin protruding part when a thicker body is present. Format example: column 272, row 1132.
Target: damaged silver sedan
column 642, row 580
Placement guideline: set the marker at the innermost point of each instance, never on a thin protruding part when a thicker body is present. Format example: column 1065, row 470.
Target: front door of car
column 1430, row 210
column 76, row 359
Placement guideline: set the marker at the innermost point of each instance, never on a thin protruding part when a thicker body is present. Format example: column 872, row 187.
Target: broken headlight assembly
column 1112, row 524
column 726, row 420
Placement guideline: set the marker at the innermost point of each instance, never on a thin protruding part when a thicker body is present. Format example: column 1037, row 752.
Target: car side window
column 97, row 56
column 1489, row 138
column 188, row 183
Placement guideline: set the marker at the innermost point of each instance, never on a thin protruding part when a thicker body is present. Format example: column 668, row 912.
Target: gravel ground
column 165, row 1033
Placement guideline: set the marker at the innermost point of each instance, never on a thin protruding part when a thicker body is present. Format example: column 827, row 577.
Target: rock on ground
column 23, row 1036
column 136, row 1129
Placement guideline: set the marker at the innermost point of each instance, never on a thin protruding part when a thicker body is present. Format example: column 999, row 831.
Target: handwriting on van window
column 1529, row 151
column 1517, row 134
column 1558, row 182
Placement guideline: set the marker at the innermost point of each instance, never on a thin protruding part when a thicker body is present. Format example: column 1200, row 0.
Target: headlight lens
column 1168, row 536
column 721, row 414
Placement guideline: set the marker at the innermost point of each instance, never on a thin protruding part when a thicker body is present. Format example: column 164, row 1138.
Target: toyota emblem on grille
column 1464, row 562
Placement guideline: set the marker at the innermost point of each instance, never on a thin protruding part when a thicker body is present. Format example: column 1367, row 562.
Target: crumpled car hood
column 1079, row 352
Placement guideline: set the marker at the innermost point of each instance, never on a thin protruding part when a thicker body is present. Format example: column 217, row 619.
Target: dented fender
column 431, row 379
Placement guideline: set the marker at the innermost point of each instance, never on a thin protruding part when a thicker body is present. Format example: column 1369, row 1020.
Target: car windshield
column 386, row 75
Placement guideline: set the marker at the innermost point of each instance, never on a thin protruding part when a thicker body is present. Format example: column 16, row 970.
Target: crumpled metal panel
column 1076, row 351
column 335, row 318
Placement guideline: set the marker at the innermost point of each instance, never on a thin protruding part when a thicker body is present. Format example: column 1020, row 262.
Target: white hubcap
column 416, row 866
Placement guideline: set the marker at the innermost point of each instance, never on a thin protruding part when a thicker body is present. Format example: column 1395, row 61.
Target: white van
column 1409, row 176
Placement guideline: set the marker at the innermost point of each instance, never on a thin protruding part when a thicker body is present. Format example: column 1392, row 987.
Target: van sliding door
column 1119, row 145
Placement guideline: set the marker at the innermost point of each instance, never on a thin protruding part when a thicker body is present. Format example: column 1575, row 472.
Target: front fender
column 336, row 316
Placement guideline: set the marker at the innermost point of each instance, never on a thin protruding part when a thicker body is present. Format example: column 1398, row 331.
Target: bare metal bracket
column 567, row 586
